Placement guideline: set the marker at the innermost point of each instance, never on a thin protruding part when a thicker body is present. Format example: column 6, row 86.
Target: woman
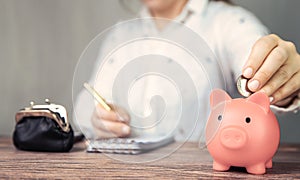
column 239, row 40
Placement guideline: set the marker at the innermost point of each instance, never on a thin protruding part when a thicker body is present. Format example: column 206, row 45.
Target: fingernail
column 248, row 72
column 123, row 118
column 271, row 99
column 125, row 130
column 120, row 118
column 253, row 85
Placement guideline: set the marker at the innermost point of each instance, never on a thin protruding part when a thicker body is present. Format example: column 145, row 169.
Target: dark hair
column 227, row 1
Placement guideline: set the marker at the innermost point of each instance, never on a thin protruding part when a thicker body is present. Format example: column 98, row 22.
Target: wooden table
column 187, row 162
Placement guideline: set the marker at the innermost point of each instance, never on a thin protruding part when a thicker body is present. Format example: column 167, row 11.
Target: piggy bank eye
column 220, row 117
column 248, row 119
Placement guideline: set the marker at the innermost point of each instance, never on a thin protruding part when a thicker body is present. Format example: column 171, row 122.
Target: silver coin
column 241, row 84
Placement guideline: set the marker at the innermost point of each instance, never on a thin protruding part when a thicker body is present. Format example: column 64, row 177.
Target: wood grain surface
column 188, row 162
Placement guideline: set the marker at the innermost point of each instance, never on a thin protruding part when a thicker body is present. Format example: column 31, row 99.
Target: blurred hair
column 227, row 1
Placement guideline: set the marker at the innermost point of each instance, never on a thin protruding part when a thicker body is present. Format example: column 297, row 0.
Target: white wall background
column 41, row 41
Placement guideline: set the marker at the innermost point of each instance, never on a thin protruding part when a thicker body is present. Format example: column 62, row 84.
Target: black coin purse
column 43, row 128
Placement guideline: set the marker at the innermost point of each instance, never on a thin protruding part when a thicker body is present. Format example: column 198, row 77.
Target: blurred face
column 159, row 5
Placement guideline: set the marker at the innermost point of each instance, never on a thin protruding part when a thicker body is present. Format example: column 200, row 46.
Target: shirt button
column 181, row 131
column 111, row 61
column 242, row 20
column 208, row 60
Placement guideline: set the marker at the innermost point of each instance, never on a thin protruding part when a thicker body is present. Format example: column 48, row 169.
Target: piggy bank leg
column 257, row 168
column 220, row 167
column 269, row 164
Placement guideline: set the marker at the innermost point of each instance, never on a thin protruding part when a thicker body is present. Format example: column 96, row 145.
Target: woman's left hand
column 273, row 67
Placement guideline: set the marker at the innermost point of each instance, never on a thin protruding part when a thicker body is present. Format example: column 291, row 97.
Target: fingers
column 121, row 113
column 273, row 62
column 108, row 124
column 284, row 102
column 107, row 129
column 260, row 51
column 273, row 67
column 117, row 114
column 279, row 78
column 289, row 88
column 104, row 134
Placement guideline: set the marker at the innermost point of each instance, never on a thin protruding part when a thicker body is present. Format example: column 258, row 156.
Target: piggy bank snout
column 233, row 137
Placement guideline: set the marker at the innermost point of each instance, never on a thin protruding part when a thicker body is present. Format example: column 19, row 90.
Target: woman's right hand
column 108, row 124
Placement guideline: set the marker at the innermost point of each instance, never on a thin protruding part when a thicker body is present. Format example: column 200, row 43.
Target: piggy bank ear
column 261, row 99
column 217, row 96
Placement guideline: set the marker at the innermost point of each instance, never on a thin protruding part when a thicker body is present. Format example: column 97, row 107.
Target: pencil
column 97, row 96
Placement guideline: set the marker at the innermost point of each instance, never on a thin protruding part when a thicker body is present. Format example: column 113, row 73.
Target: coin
column 241, row 84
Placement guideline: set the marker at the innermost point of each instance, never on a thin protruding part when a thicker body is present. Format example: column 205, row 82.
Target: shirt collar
column 195, row 6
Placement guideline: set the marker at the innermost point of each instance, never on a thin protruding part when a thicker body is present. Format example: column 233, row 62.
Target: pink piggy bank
column 241, row 132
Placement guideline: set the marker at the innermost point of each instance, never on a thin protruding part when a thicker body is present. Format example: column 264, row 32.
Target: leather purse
column 43, row 128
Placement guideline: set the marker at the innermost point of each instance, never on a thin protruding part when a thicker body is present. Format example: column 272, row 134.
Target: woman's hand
column 108, row 124
column 273, row 67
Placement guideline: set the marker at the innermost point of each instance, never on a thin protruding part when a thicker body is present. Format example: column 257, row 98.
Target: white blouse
column 156, row 104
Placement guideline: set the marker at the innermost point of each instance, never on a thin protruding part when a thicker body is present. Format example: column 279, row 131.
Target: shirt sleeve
column 293, row 107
